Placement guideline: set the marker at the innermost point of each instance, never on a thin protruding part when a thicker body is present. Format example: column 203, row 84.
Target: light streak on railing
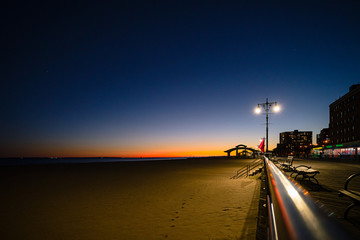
column 273, row 229
column 293, row 214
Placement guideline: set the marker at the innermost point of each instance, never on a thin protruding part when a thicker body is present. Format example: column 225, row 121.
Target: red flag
column 261, row 146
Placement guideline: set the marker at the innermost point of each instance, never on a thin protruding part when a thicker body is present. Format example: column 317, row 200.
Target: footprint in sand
column 173, row 219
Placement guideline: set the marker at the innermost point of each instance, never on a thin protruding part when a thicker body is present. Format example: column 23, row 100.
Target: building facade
column 344, row 126
column 296, row 143
column 323, row 138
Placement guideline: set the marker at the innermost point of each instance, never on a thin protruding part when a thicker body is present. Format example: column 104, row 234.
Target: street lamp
column 267, row 105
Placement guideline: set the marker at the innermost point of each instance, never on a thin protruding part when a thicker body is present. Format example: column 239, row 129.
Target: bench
column 353, row 195
column 287, row 164
column 273, row 159
column 306, row 172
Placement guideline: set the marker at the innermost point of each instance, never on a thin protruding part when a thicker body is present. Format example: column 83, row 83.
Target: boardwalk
column 332, row 177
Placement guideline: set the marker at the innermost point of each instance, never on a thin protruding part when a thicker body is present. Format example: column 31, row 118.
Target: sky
column 169, row 78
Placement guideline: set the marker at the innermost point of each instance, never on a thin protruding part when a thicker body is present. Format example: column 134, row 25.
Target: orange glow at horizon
column 155, row 154
column 124, row 154
column 113, row 149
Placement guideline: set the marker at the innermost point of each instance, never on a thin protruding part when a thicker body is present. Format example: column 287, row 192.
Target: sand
column 182, row 199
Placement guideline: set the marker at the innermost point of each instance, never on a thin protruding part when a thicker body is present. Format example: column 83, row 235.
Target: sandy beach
column 182, row 199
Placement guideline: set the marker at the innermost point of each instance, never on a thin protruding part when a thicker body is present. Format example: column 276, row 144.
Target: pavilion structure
column 241, row 149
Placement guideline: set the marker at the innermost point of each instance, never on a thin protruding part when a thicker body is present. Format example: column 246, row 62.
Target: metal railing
column 245, row 171
column 292, row 213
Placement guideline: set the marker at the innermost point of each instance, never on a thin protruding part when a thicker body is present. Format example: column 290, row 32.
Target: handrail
column 247, row 168
column 292, row 213
column 255, row 165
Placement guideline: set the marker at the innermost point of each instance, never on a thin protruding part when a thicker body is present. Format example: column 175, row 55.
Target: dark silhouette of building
column 344, row 128
column 344, row 124
column 323, row 138
column 297, row 143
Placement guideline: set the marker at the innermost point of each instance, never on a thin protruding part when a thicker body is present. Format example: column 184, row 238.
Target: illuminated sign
column 318, row 148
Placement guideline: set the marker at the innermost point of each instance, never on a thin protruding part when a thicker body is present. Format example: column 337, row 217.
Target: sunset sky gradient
column 169, row 78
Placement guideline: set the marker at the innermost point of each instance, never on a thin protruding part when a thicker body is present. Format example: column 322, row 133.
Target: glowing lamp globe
column 276, row 108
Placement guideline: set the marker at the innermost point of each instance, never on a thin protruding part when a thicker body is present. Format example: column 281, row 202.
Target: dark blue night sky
column 169, row 78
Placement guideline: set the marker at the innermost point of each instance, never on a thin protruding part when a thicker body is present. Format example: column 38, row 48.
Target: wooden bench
column 273, row 159
column 353, row 195
column 306, row 172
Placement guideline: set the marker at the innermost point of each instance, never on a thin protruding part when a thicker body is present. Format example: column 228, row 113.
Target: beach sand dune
column 179, row 199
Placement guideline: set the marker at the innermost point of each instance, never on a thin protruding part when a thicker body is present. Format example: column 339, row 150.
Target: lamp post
column 267, row 105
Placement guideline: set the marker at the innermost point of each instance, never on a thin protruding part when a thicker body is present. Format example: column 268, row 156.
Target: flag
column 261, row 146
